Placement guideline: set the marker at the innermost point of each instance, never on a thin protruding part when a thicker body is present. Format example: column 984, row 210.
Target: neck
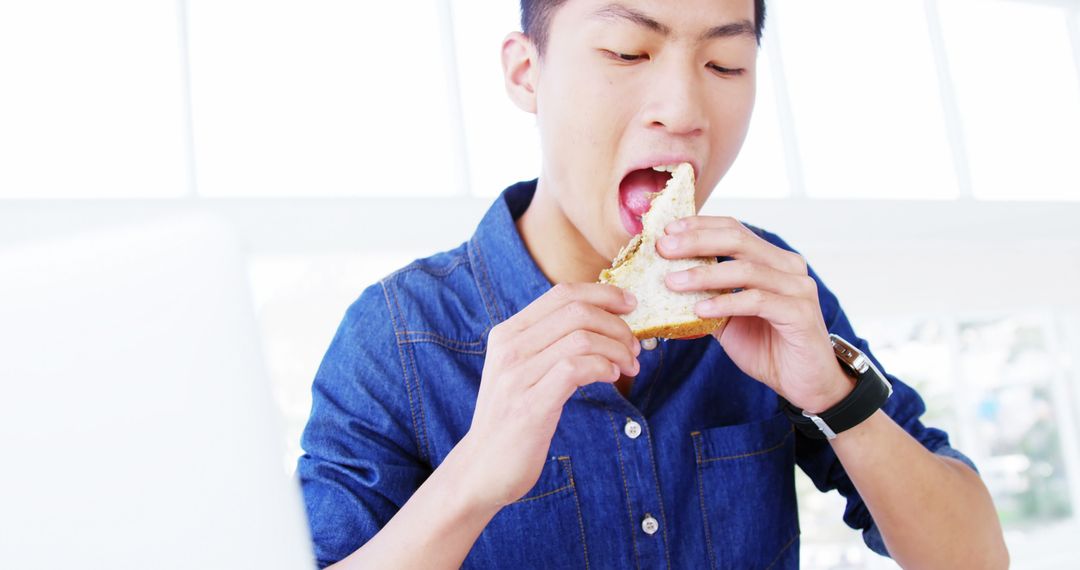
column 560, row 251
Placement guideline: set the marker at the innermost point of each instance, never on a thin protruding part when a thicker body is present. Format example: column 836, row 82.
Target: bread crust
column 683, row 330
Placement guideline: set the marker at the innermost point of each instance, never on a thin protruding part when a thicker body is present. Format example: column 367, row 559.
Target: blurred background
column 923, row 155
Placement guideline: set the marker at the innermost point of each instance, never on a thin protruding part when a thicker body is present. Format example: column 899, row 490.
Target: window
column 333, row 98
column 1019, row 96
column 865, row 99
column 92, row 103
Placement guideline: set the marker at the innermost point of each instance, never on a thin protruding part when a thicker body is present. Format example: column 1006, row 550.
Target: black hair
column 536, row 17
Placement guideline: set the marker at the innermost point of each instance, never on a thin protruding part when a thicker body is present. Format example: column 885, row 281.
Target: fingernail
column 679, row 278
column 669, row 242
column 636, row 348
column 615, row 369
column 704, row 308
column 630, row 298
column 676, row 226
column 635, row 368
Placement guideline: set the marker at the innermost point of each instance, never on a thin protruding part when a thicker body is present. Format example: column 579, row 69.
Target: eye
column 625, row 57
column 725, row 70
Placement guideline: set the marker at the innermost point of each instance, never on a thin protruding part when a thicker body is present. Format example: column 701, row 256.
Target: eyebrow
column 619, row 12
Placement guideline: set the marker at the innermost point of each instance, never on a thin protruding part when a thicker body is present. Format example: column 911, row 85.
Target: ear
column 520, row 65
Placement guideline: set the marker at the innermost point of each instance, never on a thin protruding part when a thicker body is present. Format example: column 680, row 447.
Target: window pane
column 91, row 104
column 865, row 98
column 502, row 141
column 321, row 98
column 1016, row 83
column 759, row 171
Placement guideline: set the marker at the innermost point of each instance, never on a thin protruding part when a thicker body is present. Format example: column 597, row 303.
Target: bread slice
column 661, row 312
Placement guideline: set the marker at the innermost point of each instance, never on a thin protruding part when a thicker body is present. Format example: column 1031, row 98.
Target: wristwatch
column 871, row 391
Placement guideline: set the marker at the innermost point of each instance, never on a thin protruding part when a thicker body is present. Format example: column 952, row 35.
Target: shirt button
column 648, row 344
column 649, row 525
column 632, row 429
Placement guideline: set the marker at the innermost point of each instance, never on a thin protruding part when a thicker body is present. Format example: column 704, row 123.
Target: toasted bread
column 661, row 312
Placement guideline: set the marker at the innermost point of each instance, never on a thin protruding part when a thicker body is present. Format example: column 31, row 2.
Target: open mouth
column 636, row 192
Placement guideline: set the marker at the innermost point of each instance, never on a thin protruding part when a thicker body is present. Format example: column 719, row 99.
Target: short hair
column 536, row 17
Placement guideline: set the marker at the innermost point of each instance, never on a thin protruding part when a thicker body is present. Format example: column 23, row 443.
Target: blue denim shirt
column 712, row 460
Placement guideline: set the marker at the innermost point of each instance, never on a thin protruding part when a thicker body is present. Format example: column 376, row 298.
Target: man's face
column 625, row 85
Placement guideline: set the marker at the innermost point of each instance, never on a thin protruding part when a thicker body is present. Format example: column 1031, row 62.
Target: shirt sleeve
column 816, row 457
column 361, row 461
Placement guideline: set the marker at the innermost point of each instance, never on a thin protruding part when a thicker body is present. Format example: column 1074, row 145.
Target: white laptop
column 137, row 428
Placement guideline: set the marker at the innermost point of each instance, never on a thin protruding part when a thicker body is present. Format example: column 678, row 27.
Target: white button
column 649, row 525
column 648, row 344
column 632, row 429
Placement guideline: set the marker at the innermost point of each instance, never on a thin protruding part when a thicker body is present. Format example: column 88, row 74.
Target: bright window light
column 331, row 98
column 759, row 171
column 502, row 141
column 1019, row 98
column 865, row 98
column 92, row 100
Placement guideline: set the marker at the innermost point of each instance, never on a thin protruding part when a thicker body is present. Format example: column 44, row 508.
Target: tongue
column 637, row 188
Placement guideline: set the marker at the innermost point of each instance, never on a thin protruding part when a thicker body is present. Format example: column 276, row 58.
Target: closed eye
column 725, row 70
column 625, row 57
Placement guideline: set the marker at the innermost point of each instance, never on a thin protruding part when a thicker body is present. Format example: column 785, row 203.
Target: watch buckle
column 821, row 425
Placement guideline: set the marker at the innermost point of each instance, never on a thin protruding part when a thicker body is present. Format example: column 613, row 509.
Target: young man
column 468, row 412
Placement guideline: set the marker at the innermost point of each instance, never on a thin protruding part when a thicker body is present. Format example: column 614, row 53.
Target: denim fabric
column 714, row 463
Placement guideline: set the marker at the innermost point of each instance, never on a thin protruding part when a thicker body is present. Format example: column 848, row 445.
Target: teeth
column 666, row 168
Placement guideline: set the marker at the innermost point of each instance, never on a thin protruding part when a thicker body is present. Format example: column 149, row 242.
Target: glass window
column 999, row 384
column 865, row 99
column 502, row 140
column 759, row 171
column 321, row 98
column 1019, row 97
column 92, row 100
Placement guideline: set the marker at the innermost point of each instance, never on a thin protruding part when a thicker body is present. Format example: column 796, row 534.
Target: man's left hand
column 776, row 332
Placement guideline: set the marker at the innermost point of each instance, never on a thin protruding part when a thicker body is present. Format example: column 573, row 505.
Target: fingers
column 582, row 343
column 779, row 310
column 574, row 316
column 608, row 297
column 556, row 386
column 742, row 274
column 711, row 236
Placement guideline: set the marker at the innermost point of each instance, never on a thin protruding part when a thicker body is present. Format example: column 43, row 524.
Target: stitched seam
column 441, row 272
column 437, row 336
column 783, row 550
column 653, row 381
column 483, row 282
column 577, row 503
column 752, row 453
column 446, row 346
column 419, row 391
column 622, row 473
column 542, row 495
column 659, row 496
column 404, row 369
column 701, row 499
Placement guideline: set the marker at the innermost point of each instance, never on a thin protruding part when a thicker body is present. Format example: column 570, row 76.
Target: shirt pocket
column 746, row 487
column 544, row 526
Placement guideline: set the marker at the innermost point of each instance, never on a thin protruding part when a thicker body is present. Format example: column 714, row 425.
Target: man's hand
column 568, row 337
column 777, row 333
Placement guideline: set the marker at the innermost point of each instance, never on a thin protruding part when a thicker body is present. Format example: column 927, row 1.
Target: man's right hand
column 568, row 337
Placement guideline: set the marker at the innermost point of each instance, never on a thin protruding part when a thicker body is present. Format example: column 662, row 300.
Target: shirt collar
column 506, row 273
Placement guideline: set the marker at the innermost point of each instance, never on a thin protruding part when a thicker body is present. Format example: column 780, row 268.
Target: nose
column 675, row 102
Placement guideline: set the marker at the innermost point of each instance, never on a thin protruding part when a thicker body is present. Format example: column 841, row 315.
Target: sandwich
column 638, row 268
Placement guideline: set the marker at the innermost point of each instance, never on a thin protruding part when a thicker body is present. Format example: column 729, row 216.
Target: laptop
column 137, row 428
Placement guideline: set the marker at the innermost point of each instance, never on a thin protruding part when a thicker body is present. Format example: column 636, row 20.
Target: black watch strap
column 871, row 391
